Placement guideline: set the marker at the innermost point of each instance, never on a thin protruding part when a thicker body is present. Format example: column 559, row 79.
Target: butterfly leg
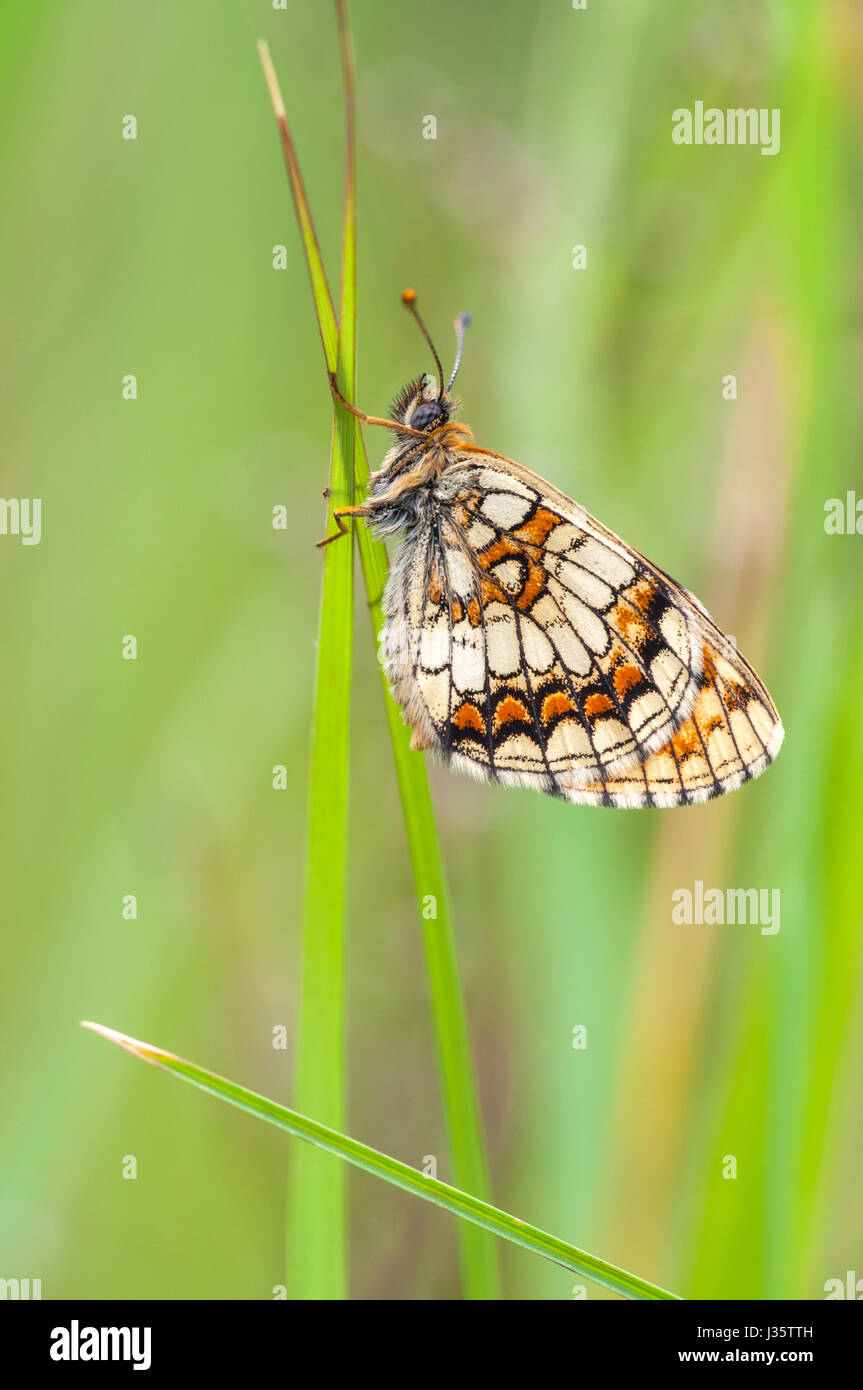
column 370, row 419
column 343, row 529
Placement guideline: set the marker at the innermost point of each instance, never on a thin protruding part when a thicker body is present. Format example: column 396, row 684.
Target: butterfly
column 529, row 645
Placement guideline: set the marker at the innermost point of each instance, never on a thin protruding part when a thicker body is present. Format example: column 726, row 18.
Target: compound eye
column 427, row 413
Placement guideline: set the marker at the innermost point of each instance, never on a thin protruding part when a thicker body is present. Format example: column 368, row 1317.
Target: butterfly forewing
column 528, row 644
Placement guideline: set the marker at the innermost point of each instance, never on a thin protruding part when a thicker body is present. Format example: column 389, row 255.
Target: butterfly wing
column 528, row 644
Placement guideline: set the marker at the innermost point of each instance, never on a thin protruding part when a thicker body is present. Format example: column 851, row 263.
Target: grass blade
column 317, row 1267
column 478, row 1255
column 461, row 1204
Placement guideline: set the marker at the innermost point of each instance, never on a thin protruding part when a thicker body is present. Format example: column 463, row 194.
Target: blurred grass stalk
column 317, row 1203
column 785, row 1082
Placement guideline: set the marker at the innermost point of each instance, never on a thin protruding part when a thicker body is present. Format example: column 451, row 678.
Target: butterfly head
column 422, row 406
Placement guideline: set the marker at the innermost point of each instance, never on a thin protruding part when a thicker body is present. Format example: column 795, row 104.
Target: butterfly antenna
column 409, row 299
column 461, row 325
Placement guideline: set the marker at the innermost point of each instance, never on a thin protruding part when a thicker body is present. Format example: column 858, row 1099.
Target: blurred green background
column 153, row 777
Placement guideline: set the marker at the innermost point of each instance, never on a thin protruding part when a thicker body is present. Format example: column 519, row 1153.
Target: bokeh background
column 153, row 777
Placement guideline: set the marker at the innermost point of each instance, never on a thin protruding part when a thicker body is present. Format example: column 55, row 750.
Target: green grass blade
column 320, row 290
column 317, row 1233
column 478, row 1255
column 317, row 1266
column 391, row 1170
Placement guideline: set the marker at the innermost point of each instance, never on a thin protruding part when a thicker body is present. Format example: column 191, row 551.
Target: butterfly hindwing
column 528, row 644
